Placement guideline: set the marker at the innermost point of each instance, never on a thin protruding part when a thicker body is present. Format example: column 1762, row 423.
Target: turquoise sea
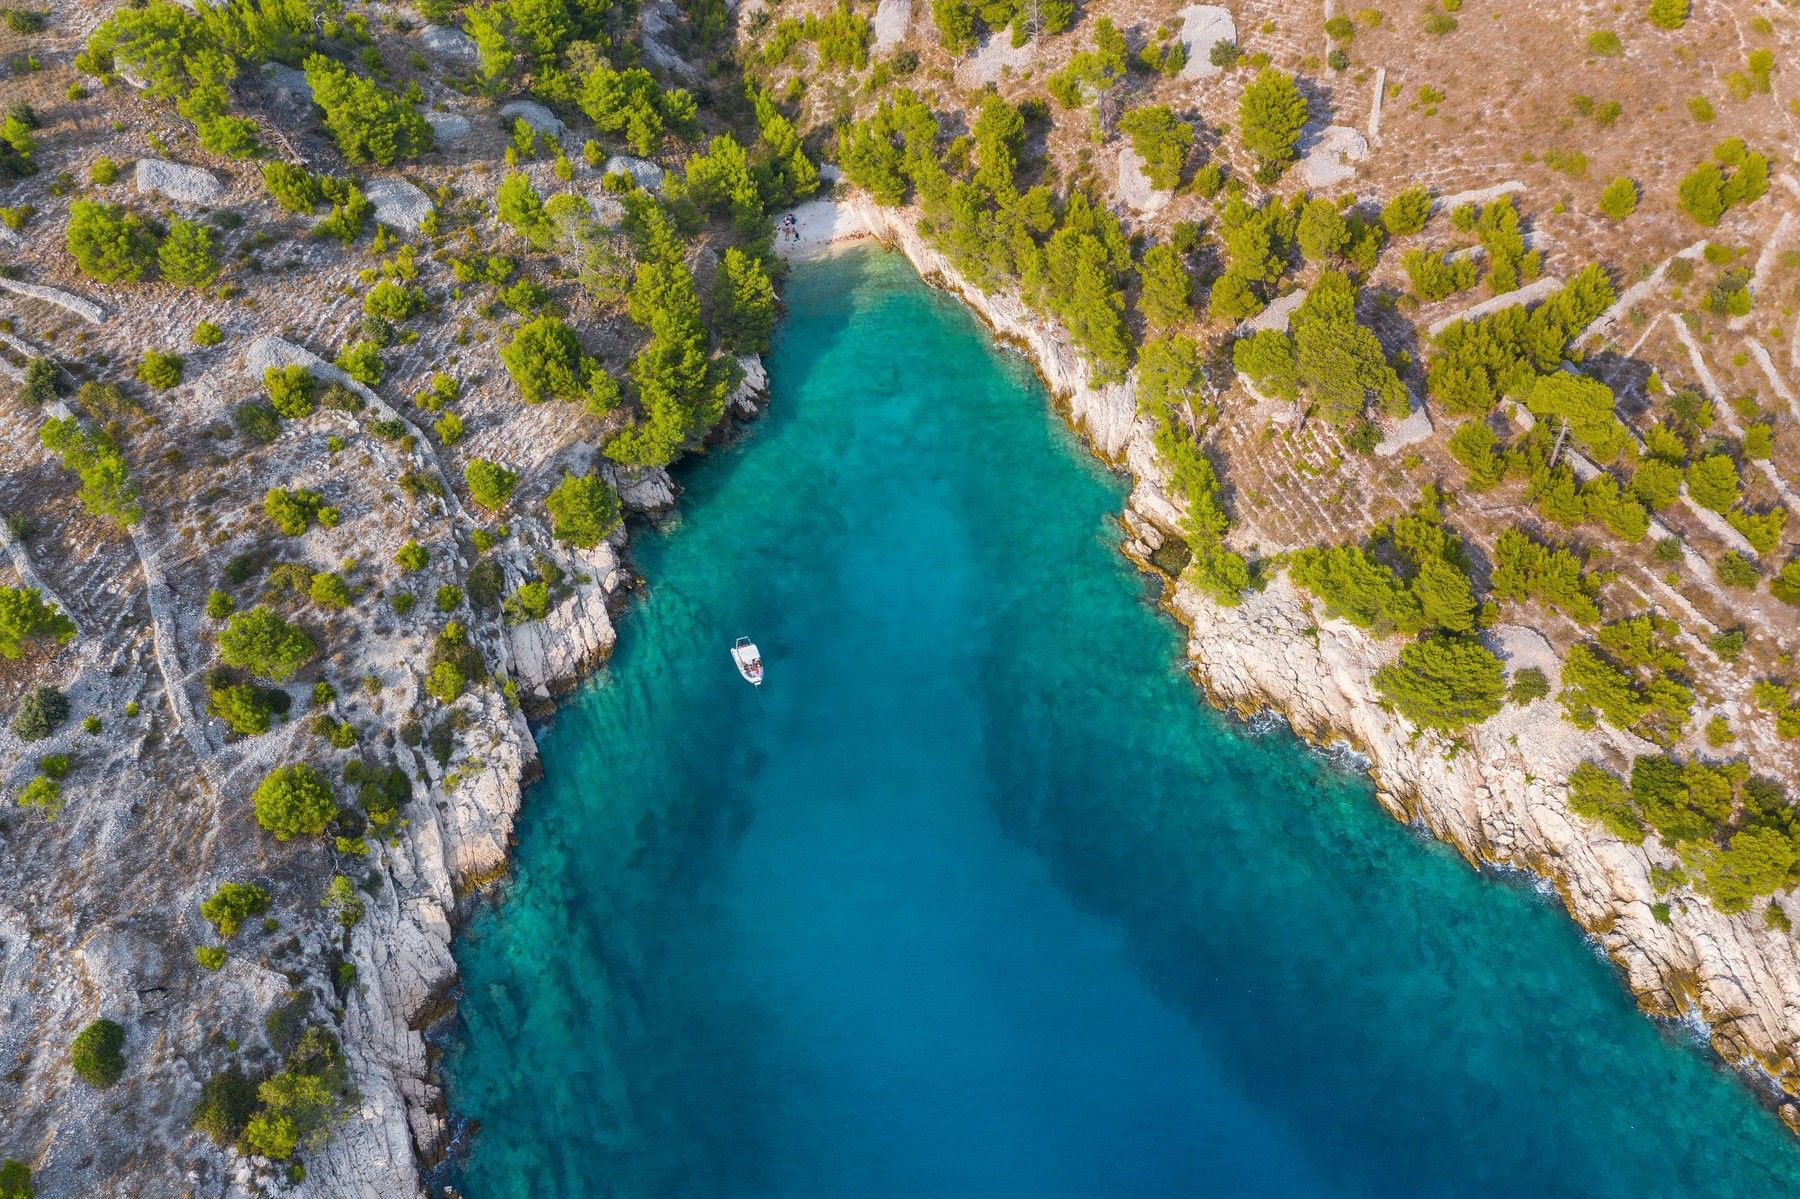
column 976, row 899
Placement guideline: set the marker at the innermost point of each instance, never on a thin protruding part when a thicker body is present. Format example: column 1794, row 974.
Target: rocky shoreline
column 1499, row 798
column 460, row 842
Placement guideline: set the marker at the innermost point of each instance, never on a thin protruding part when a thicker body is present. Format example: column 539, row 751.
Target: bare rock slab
column 648, row 175
column 535, row 115
column 398, row 204
column 1204, row 26
column 448, row 45
column 891, row 20
column 178, row 182
column 996, row 57
column 1332, row 160
column 447, row 127
column 1135, row 188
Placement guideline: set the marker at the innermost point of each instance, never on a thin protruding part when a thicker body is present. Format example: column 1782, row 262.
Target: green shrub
column 368, row 122
column 1599, row 794
column 1620, row 199
column 25, row 617
column 490, row 484
column 1735, row 570
column 445, row 683
column 159, row 370
column 412, row 557
column 231, row 905
column 449, row 597
column 40, row 711
column 242, row 707
column 1446, row 683
column 1528, row 684
column 188, row 255
column 256, row 423
column 362, row 362
column 291, row 389
column 583, row 509
column 1162, row 140
column 1605, row 43
column 227, row 1101
column 1668, row 14
column 294, row 801
column 1271, row 114
column 91, row 454
column 109, row 244
column 208, row 334
column 44, row 794
column 97, row 1053
column 328, row 589
column 743, row 304
column 15, row 1175
column 1785, row 586
column 261, row 642
column 1407, row 212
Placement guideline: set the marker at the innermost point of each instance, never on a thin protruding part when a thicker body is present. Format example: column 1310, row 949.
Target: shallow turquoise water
column 976, row 900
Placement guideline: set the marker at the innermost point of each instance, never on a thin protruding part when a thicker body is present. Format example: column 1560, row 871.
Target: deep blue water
column 975, row 899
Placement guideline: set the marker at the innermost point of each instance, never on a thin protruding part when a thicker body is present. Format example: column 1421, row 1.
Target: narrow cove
column 976, row 898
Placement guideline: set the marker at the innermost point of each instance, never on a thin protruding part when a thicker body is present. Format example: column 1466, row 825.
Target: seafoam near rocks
column 1499, row 798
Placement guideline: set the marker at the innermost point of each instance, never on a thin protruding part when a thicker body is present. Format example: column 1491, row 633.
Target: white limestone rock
column 648, row 175
column 448, row 45
column 1134, row 188
column 656, row 22
column 997, row 56
column 753, row 391
column 535, row 115
column 1332, row 159
column 1204, row 26
column 286, row 84
column 892, row 17
column 1277, row 314
column 643, row 488
column 1414, row 429
column 178, row 181
column 398, row 204
column 447, row 128
column 576, row 635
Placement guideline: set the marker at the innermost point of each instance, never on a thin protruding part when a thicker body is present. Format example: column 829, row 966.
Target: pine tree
column 188, row 255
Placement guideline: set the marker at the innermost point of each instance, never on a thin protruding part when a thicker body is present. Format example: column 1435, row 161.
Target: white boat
column 749, row 661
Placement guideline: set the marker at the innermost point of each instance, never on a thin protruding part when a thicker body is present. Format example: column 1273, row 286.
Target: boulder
column 286, row 84
column 1332, row 159
column 1135, row 189
column 1204, row 26
column 448, row 45
column 178, row 182
column 643, row 488
column 447, row 127
column 398, row 204
column 535, row 115
column 649, row 176
column 996, row 57
column 891, row 20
